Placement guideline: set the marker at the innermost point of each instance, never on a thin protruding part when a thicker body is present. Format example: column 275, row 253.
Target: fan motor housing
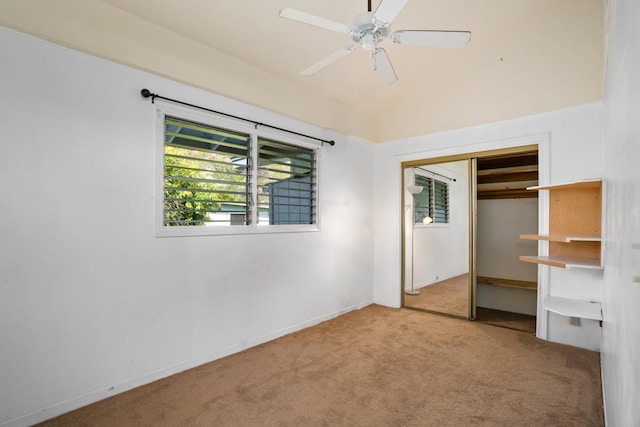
column 366, row 32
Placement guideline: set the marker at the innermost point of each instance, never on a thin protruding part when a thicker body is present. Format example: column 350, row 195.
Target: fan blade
column 382, row 66
column 431, row 38
column 387, row 10
column 317, row 21
column 328, row 60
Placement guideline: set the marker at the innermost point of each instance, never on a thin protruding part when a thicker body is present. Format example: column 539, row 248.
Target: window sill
column 234, row 230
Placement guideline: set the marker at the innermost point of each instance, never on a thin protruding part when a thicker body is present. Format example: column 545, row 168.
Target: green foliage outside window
column 205, row 173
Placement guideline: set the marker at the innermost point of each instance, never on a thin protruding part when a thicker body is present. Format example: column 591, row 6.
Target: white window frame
column 164, row 109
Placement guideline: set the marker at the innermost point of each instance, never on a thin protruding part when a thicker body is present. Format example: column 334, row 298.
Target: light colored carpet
column 450, row 296
column 373, row 367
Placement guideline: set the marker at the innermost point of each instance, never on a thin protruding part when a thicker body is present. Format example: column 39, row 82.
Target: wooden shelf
column 573, row 307
column 560, row 238
column 587, row 183
column 575, row 226
column 509, row 283
column 563, row 262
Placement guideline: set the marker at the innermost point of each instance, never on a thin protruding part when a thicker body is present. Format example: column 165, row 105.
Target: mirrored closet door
column 437, row 237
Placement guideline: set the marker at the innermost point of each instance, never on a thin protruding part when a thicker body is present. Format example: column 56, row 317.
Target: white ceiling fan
column 369, row 29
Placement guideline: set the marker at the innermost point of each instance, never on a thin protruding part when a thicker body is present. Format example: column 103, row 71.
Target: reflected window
column 433, row 201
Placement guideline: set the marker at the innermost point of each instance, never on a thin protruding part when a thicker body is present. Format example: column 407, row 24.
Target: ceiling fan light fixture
column 368, row 42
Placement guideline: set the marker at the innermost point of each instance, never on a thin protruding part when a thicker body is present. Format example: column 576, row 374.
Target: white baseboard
column 106, row 392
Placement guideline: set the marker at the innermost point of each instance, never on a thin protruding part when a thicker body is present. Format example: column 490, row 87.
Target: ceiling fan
column 369, row 29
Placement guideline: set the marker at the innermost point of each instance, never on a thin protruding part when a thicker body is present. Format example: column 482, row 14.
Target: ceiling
column 525, row 57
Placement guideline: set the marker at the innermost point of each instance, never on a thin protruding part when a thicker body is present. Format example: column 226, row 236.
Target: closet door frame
column 542, row 147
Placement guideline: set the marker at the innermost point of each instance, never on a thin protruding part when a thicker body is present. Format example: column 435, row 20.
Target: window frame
column 164, row 109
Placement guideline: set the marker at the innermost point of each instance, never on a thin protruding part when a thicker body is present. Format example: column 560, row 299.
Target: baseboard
column 604, row 395
column 305, row 324
column 104, row 393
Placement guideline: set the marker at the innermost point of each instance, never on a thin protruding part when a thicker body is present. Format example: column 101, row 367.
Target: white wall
column 513, row 300
column 500, row 223
column 574, row 152
column 92, row 303
column 621, row 329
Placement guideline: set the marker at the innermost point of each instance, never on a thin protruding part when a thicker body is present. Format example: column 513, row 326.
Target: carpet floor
column 450, row 296
column 373, row 367
column 506, row 319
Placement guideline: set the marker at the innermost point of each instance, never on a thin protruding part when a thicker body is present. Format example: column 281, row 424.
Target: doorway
column 465, row 264
column 506, row 288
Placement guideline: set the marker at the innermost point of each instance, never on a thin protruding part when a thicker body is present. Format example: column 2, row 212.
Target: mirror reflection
column 437, row 238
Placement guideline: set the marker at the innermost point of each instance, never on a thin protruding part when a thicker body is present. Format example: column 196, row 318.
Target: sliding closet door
column 440, row 240
column 473, row 234
column 438, row 220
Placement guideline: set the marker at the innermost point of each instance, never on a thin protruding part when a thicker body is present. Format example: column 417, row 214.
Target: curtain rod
column 146, row 93
column 439, row 174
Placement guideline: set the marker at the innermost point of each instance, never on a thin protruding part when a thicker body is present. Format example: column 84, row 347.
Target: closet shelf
column 563, row 262
column 575, row 185
column 560, row 238
column 573, row 307
column 575, row 226
column 509, row 283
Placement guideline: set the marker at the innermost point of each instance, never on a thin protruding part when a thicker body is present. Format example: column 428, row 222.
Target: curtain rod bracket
column 146, row 93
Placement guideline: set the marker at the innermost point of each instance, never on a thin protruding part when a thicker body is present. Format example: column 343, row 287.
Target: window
column 433, row 201
column 206, row 179
column 286, row 182
column 223, row 177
